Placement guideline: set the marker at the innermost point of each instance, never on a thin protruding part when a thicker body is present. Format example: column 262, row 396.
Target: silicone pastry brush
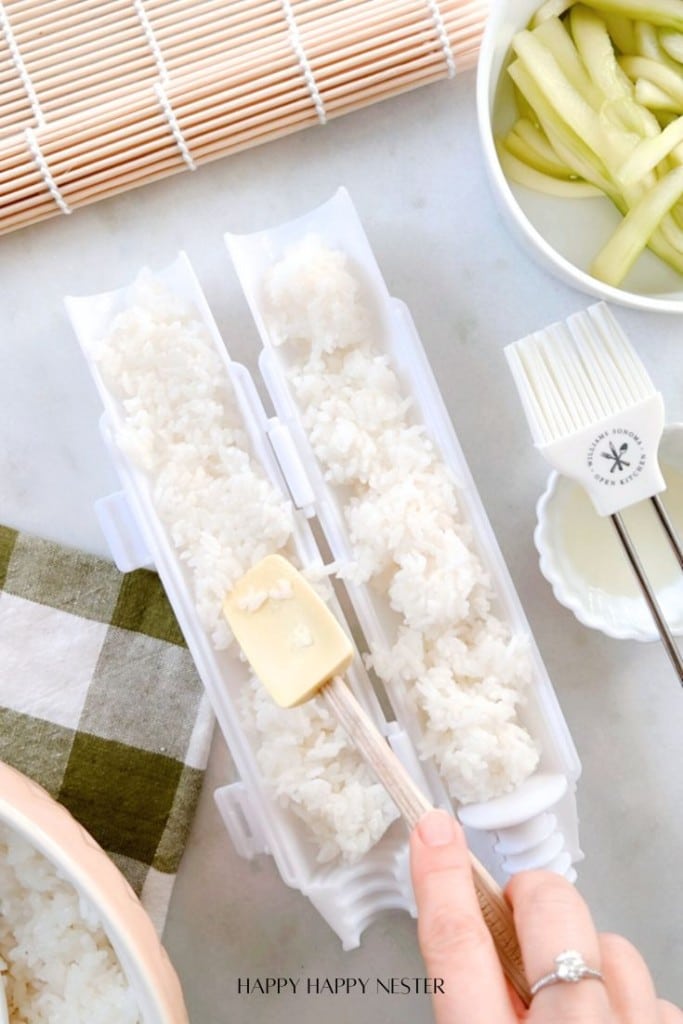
column 596, row 417
column 297, row 649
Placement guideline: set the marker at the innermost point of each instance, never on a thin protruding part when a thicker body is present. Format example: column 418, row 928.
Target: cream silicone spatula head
column 297, row 648
column 288, row 635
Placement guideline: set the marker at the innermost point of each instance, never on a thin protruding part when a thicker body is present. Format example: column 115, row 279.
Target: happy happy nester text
column 338, row 986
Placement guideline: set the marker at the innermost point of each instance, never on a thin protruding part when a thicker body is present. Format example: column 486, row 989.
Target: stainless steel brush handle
column 669, row 528
column 649, row 595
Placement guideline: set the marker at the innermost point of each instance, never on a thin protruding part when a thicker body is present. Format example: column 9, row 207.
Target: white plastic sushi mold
column 535, row 826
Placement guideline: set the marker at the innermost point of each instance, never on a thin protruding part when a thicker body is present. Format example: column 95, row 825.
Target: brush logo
column 616, row 457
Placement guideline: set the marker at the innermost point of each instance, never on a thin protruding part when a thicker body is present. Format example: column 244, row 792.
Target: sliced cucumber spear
column 600, row 88
column 614, row 261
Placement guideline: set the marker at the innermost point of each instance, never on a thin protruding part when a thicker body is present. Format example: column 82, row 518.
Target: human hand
column 550, row 916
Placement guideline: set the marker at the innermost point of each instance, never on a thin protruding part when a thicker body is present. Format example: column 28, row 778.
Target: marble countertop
column 414, row 170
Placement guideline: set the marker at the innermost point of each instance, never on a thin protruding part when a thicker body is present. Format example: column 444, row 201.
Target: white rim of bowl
column 562, row 594
column 567, row 271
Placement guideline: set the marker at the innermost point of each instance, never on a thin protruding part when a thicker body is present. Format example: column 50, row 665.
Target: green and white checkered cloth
column 101, row 704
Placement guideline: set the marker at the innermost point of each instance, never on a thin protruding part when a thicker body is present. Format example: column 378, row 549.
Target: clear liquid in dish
column 592, row 549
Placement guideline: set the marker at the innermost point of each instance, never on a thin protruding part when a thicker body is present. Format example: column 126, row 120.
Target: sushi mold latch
column 538, row 824
column 122, row 533
column 291, row 466
column 244, row 826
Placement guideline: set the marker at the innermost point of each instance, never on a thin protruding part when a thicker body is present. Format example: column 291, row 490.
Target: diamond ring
column 569, row 966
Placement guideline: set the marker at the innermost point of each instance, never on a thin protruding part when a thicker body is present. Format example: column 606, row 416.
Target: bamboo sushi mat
column 100, row 96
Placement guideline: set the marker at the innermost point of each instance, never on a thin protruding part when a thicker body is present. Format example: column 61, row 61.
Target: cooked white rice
column 182, row 427
column 464, row 671
column 57, row 964
column 314, row 772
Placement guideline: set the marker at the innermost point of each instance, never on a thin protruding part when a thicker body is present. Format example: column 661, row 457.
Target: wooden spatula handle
column 370, row 743
column 412, row 804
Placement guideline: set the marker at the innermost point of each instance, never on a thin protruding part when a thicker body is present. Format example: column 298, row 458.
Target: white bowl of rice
column 76, row 944
column 562, row 232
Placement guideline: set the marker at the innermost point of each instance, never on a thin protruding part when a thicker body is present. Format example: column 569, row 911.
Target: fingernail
column 436, row 828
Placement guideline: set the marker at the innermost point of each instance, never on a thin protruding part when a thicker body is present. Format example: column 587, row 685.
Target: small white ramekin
column 48, row 826
column 619, row 616
column 562, row 235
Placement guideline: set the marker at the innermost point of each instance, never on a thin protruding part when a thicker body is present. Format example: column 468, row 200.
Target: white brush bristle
column 576, row 374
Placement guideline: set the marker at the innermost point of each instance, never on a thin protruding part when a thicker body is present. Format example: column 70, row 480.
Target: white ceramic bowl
column 563, row 235
column 33, row 814
column 583, row 561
